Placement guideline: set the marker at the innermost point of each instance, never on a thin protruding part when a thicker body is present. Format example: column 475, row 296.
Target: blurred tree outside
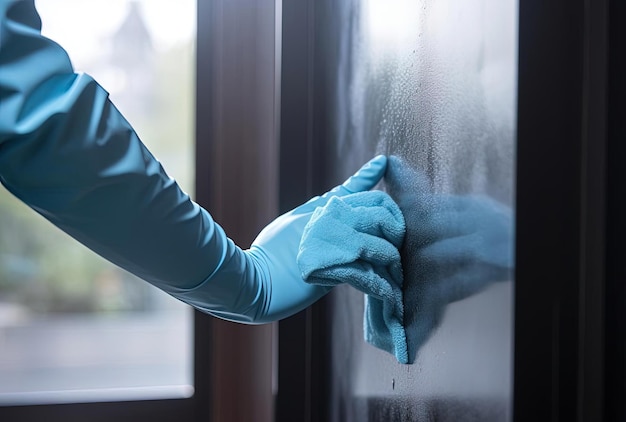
column 44, row 270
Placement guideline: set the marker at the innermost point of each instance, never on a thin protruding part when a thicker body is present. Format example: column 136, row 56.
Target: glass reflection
column 455, row 247
column 433, row 84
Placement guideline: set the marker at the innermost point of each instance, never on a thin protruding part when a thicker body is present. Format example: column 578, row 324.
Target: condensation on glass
column 431, row 83
column 73, row 327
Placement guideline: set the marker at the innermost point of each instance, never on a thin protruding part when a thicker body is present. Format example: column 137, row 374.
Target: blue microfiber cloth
column 356, row 239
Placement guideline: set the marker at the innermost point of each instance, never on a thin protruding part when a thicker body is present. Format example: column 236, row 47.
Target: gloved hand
column 274, row 251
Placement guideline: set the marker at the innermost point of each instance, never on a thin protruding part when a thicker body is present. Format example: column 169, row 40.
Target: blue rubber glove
column 69, row 154
column 276, row 248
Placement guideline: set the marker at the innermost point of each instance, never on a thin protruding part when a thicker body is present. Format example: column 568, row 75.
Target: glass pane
column 72, row 326
column 432, row 84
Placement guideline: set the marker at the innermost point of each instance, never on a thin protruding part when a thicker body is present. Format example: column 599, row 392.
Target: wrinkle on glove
column 67, row 152
column 355, row 239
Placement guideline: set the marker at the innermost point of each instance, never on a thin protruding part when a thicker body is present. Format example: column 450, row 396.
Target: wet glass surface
column 432, row 84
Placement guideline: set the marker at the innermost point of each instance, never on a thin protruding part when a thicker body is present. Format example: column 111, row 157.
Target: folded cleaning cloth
column 355, row 239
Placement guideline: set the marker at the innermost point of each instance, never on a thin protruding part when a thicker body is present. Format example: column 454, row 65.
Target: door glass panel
column 432, row 84
column 72, row 326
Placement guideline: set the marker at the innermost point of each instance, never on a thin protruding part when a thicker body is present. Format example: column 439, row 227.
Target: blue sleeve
column 68, row 153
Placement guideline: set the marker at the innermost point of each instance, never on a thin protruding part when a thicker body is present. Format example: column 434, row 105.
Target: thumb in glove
column 274, row 251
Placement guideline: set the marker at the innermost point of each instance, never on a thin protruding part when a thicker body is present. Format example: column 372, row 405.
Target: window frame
column 561, row 222
column 569, row 290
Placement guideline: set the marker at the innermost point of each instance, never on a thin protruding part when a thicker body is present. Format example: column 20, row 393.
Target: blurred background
column 64, row 311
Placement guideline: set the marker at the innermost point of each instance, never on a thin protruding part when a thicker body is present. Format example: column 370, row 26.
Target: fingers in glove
column 368, row 175
column 363, row 180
